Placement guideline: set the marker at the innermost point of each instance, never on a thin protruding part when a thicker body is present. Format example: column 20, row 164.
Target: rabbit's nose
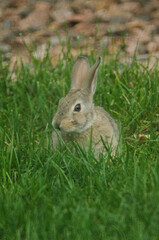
column 57, row 126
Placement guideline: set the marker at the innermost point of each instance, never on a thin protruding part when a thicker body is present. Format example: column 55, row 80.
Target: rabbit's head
column 75, row 111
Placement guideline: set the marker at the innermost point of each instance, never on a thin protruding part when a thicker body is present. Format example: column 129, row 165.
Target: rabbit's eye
column 77, row 107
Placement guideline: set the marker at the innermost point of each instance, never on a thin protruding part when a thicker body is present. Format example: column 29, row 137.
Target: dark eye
column 77, row 107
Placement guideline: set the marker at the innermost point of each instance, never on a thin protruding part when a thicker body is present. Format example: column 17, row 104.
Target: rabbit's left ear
column 90, row 81
column 79, row 72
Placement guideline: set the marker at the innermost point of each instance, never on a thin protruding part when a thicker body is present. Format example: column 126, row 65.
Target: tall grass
column 47, row 194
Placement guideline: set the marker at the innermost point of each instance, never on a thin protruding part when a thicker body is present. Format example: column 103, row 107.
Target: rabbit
column 77, row 119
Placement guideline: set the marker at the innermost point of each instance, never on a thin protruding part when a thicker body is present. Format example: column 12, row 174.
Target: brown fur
column 90, row 120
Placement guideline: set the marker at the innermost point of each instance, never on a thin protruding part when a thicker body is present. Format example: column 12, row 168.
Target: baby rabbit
column 77, row 119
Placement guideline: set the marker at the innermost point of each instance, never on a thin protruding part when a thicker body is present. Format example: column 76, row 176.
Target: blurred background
column 102, row 25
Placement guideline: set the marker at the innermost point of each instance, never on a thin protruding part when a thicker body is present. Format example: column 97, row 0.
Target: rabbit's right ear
column 79, row 71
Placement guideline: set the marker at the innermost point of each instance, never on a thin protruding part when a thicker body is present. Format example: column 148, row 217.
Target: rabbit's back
column 106, row 123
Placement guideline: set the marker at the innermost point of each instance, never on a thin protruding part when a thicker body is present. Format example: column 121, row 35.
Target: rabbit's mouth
column 71, row 126
column 74, row 126
column 77, row 123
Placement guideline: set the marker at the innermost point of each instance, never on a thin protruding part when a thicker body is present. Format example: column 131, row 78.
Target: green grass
column 64, row 195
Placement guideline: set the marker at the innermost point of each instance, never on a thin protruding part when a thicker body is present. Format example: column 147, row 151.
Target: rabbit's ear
column 79, row 72
column 90, row 81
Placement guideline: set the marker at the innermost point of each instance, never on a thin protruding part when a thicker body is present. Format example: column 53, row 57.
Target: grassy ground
column 60, row 195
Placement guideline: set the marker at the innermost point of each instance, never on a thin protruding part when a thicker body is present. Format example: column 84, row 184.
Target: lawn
column 46, row 194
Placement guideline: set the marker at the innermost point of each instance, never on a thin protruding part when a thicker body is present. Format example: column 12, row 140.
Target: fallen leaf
column 142, row 137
